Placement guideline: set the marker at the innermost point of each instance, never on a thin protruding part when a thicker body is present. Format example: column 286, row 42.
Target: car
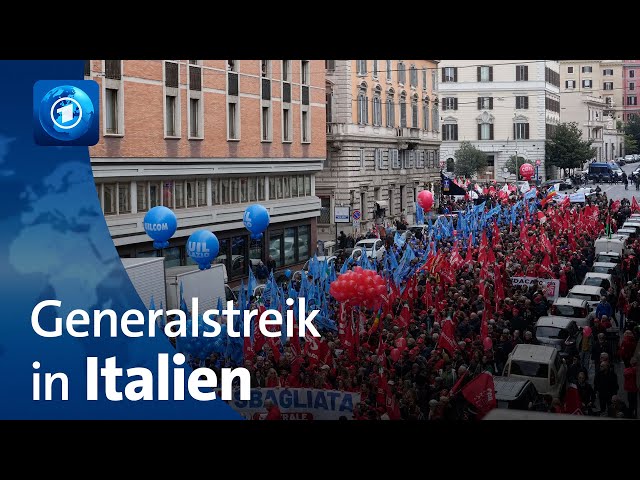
column 617, row 172
column 562, row 184
column 600, row 172
column 606, row 267
column 628, row 232
column 634, row 224
column 573, row 308
column 373, row 246
column 609, row 257
column 514, row 393
column 629, row 159
column 621, row 161
column 322, row 259
column 559, row 332
column 587, row 292
column 540, row 364
column 636, row 157
column 603, row 280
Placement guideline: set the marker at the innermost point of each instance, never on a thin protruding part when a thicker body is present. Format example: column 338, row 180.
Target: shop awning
column 382, row 203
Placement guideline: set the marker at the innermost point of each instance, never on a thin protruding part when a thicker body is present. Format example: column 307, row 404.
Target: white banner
column 577, row 197
column 550, row 286
column 297, row 403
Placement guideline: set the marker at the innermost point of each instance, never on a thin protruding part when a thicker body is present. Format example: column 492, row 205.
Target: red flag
column 258, row 338
column 634, row 205
column 480, row 392
column 296, row 348
column 247, row 349
column 316, row 349
column 491, row 258
column 484, row 326
column 404, row 318
column 499, row 293
column 447, row 337
column 469, row 258
column 456, row 385
column 274, row 343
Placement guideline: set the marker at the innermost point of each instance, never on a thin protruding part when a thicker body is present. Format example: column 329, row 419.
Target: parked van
column 541, row 365
column 514, row 393
column 604, row 244
column 600, row 172
column 587, row 292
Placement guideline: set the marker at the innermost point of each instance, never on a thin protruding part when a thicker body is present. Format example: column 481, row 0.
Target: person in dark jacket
column 605, row 383
column 575, row 368
column 586, row 392
column 599, row 346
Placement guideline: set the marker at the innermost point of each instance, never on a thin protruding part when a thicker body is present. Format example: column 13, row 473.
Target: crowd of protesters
column 401, row 370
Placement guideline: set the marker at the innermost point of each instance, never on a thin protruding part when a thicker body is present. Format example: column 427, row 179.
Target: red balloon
column 395, row 355
column 425, row 200
column 527, row 171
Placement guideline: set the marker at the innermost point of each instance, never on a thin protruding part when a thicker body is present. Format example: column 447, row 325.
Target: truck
column 147, row 277
column 207, row 285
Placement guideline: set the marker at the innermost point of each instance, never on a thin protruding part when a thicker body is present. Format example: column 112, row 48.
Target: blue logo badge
column 66, row 112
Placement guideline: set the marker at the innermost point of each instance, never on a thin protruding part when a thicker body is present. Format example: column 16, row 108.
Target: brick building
column 207, row 138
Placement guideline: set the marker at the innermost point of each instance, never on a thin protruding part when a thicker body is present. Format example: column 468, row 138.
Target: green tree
column 630, row 144
column 632, row 130
column 511, row 164
column 469, row 160
column 566, row 149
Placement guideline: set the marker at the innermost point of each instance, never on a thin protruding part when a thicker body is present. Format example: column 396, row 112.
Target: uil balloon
column 256, row 219
column 287, row 273
column 203, row 247
column 160, row 223
column 425, row 200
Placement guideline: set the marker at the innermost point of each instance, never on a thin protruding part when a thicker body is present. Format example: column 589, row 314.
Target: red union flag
column 480, row 392
column 447, row 337
column 316, row 349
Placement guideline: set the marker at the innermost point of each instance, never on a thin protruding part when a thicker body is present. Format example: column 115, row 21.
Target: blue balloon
column 160, row 223
column 287, row 273
column 256, row 219
column 203, row 247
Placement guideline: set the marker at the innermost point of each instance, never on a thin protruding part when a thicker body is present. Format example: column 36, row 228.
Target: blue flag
column 419, row 215
column 398, row 240
column 251, row 283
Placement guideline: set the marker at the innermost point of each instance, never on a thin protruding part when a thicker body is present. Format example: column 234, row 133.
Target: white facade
column 502, row 107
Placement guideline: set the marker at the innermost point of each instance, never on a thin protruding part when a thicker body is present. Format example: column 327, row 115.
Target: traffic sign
column 356, row 214
column 342, row 214
column 356, row 223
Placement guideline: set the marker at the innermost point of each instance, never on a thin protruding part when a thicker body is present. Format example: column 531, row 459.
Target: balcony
column 406, row 132
column 336, row 128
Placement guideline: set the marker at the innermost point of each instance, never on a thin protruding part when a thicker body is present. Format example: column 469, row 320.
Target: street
column 617, row 191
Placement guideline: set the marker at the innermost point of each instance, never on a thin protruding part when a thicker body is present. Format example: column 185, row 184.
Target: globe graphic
column 66, row 112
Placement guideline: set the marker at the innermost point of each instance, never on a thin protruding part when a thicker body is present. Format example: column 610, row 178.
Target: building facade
column 207, row 138
column 506, row 108
column 382, row 141
column 630, row 80
column 592, row 95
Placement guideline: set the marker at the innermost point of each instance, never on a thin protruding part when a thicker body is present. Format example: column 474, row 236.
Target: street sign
column 356, row 223
column 342, row 214
column 356, row 215
column 538, row 162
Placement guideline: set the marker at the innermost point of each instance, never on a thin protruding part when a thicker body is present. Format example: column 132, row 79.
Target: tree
column 566, row 149
column 469, row 160
column 632, row 130
column 630, row 144
column 512, row 166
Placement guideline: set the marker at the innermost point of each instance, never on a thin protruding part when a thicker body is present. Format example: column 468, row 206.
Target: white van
column 587, row 292
column 613, row 244
column 541, row 365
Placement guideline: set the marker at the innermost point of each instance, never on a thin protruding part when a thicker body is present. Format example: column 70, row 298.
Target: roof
column 625, row 230
column 609, row 254
column 509, row 388
column 605, row 264
column 572, row 302
column 605, row 276
column 367, row 241
column 552, row 321
column 533, row 353
column 586, row 289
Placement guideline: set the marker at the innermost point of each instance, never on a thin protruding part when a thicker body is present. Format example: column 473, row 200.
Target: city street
column 617, row 191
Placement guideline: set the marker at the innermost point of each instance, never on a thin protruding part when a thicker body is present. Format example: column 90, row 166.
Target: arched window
column 414, row 112
column 425, row 113
column 402, row 73
column 363, row 105
column 377, row 107
column 391, row 109
column 403, row 109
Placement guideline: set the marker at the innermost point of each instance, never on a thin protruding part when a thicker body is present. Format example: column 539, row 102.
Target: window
column 155, row 194
column 425, row 115
column 234, row 190
column 552, row 77
column 413, row 76
column 389, row 68
column 420, row 163
column 450, row 131
column 607, row 72
column 485, row 103
column 375, row 69
column 115, row 197
column 403, row 112
column 363, row 108
column 195, row 76
column 608, row 85
column 485, row 74
column 109, row 198
column 194, row 117
column 111, row 108
column 304, row 72
column 485, row 131
column 608, row 101
column 587, row 69
column 569, row 69
column 363, row 205
column 632, row 73
column 522, row 102
column 304, row 242
column 170, row 116
column 265, row 68
column 306, row 129
column 424, row 79
column 237, row 262
column 402, row 198
column 330, row 65
column 286, row 124
column 233, row 124
column 449, row 103
column 202, row 193
column 377, row 111
column 87, row 68
column 449, row 74
column 286, row 70
column 307, row 185
column 192, row 193
column 377, row 158
column 402, row 74
column 361, row 67
column 361, row 153
column 325, row 211
column 632, row 100
column 266, row 124
column 552, row 104
column 178, row 194
column 167, row 193
column 394, row 161
column 632, row 86
column 435, row 117
column 414, row 113
column 142, row 191
column 522, row 73
column 171, row 75
column 391, row 111
column 586, row 83
column 521, row 131
column 529, row 369
column 491, row 160
column 570, row 84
